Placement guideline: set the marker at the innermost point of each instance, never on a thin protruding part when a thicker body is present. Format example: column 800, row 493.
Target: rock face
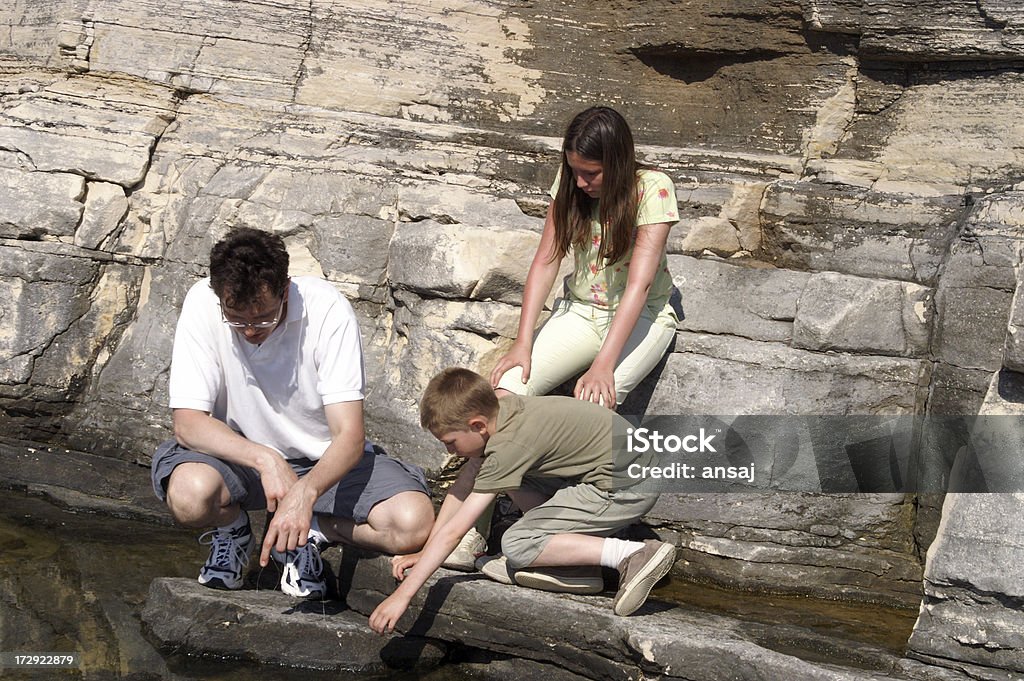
column 849, row 178
column 577, row 635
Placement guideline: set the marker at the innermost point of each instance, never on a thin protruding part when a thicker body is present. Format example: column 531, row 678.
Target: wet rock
column 972, row 614
column 271, row 628
column 81, row 481
column 850, row 547
column 580, row 633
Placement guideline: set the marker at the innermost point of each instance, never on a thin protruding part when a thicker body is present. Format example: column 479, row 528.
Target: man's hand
column 290, row 525
column 277, row 477
column 386, row 615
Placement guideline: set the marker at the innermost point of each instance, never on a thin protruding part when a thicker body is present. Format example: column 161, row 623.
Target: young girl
column 616, row 321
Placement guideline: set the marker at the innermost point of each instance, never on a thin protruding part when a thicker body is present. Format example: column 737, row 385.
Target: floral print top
column 602, row 285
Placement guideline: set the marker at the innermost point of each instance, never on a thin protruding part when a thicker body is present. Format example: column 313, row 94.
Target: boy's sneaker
column 471, row 546
column 581, row 579
column 640, row 572
column 495, row 567
column 302, row 571
column 585, row 579
column 229, row 554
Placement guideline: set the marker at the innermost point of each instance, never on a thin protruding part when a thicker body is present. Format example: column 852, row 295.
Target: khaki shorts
column 572, row 509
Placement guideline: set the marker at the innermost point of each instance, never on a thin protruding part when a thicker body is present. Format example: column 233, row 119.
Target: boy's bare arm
column 457, row 493
column 438, row 547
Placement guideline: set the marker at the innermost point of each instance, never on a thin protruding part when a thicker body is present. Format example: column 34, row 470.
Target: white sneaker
column 471, row 546
column 302, row 573
column 581, row 579
column 495, row 567
column 229, row 554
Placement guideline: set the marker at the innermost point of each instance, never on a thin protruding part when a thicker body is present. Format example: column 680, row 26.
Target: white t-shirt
column 273, row 393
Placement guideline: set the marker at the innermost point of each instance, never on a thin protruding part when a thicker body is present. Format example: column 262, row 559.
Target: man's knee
column 408, row 517
column 195, row 493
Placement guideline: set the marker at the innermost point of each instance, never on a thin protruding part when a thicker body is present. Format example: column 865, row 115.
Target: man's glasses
column 255, row 325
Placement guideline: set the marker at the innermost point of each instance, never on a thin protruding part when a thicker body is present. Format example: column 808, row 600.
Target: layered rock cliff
column 851, row 176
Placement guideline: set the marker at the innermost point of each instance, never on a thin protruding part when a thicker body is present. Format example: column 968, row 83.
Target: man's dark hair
column 245, row 263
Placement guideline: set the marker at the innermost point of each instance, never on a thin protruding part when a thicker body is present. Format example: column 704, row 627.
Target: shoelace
column 226, row 548
column 304, row 556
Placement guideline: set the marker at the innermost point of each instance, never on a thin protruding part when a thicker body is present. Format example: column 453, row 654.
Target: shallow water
column 77, row 582
column 884, row 627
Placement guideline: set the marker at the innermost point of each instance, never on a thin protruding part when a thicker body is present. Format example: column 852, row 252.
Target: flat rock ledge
column 461, row 614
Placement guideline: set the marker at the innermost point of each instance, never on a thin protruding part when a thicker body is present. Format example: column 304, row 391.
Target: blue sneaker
column 302, row 574
column 229, row 554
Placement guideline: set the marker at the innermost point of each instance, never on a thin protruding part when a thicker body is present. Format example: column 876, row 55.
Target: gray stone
column 972, row 609
column 716, row 235
column 34, row 204
column 971, row 616
column 44, row 294
column 781, row 542
column 737, row 297
column 132, row 381
column 591, row 641
column 853, row 314
column 451, row 333
column 105, row 207
column 854, row 231
column 1013, row 349
column 957, row 391
column 271, row 628
column 985, row 312
column 989, row 31
column 726, row 375
column 68, row 127
column 449, row 260
column 353, row 249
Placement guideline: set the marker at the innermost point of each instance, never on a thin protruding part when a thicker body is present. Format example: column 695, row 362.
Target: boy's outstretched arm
column 457, row 493
column 439, row 546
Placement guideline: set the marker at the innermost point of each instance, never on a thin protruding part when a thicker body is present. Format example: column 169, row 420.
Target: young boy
column 521, row 445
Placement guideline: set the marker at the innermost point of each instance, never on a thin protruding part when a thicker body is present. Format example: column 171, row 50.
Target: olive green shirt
column 550, row 437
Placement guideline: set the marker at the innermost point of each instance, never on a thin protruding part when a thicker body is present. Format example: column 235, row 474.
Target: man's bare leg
column 198, row 497
column 398, row 525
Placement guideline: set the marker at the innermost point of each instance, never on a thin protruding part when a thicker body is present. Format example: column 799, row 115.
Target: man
column 266, row 389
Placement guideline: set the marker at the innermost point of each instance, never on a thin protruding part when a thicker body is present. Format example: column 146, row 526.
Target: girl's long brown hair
column 598, row 134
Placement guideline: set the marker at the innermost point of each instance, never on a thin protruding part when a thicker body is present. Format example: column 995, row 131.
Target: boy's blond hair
column 455, row 396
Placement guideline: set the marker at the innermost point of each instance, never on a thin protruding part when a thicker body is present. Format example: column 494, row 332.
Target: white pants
column 569, row 340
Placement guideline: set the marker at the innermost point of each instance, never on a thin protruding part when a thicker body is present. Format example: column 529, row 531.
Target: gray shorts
column 572, row 509
column 374, row 479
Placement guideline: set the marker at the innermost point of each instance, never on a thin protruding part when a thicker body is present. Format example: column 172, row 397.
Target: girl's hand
column 597, row 386
column 387, row 614
column 399, row 564
column 517, row 356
